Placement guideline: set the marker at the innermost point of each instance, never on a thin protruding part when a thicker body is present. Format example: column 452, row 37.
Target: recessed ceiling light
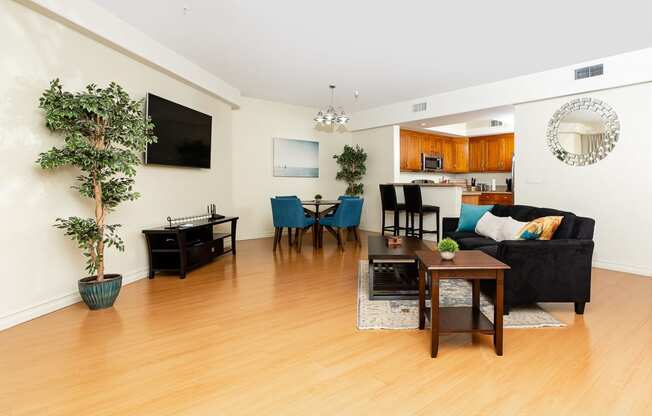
column 424, row 124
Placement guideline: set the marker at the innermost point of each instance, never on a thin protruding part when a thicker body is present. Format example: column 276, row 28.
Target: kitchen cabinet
column 414, row 143
column 460, row 155
column 477, row 152
column 488, row 198
column 496, row 199
column 447, row 153
column 491, row 153
column 410, row 151
column 471, row 199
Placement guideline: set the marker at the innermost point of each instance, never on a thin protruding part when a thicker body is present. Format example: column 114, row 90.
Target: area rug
column 403, row 314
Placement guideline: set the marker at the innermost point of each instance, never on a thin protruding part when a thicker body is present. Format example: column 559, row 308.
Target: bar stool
column 388, row 202
column 414, row 205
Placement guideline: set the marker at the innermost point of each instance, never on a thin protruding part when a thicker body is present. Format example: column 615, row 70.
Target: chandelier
column 330, row 115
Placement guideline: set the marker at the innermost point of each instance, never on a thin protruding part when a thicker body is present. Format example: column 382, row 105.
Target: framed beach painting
column 296, row 158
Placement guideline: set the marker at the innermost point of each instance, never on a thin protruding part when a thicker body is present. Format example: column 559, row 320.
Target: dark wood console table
column 181, row 249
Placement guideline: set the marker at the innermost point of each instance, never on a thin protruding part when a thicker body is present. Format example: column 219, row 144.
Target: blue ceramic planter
column 100, row 295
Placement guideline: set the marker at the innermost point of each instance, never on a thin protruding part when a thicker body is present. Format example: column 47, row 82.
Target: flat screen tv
column 184, row 135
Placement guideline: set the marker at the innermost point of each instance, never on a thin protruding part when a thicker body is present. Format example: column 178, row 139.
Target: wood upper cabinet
column 477, row 152
column 447, row 154
column 453, row 150
column 491, row 153
column 495, row 154
column 410, row 151
column 461, row 154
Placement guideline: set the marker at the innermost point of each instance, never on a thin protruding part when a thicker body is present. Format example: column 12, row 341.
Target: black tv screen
column 184, row 134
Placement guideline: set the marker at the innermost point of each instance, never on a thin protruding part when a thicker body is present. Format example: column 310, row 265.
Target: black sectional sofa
column 558, row 270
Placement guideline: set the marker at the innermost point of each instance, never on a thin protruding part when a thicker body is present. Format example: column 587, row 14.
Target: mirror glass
column 583, row 131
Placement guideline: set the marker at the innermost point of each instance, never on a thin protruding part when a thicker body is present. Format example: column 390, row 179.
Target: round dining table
column 318, row 208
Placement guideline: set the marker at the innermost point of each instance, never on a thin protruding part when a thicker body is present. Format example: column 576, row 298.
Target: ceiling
column 291, row 50
column 474, row 123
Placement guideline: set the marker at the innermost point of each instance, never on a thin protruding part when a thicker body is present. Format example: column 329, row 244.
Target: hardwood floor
column 276, row 334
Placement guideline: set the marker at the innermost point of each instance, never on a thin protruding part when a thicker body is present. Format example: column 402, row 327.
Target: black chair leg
column 300, row 239
column 420, row 226
column 397, row 219
column 579, row 307
column 383, row 227
column 275, row 238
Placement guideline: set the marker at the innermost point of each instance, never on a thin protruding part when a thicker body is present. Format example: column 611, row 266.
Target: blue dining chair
column 339, row 198
column 288, row 213
column 347, row 216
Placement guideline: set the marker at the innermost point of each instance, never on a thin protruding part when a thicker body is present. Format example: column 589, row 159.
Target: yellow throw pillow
column 540, row 229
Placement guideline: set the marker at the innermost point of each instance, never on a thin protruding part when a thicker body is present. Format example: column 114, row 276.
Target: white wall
column 255, row 125
column 97, row 22
column 41, row 265
column 619, row 70
column 615, row 191
column 382, row 147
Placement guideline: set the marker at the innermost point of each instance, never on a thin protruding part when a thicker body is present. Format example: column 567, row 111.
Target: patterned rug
column 403, row 314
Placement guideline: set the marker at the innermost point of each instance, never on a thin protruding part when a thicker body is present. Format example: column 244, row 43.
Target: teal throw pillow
column 470, row 215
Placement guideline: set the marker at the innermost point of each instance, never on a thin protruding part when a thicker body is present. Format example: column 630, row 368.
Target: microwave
column 431, row 163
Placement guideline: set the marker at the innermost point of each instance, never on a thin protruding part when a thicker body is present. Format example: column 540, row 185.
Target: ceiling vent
column 589, row 71
column 419, row 107
column 496, row 123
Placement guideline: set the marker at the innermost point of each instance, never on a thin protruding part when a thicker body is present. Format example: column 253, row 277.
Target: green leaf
column 103, row 133
column 352, row 168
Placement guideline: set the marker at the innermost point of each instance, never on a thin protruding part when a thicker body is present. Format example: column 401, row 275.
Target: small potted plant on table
column 104, row 134
column 318, row 197
column 447, row 248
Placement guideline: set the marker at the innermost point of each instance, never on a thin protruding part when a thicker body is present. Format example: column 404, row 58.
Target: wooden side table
column 471, row 265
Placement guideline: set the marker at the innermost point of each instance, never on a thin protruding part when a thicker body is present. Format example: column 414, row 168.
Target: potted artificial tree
column 352, row 168
column 104, row 133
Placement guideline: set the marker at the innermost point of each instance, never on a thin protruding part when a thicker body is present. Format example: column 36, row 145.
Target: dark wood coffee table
column 393, row 271
column 471, row 265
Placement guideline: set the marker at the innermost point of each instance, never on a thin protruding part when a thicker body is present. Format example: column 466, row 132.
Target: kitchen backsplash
column 438, row 177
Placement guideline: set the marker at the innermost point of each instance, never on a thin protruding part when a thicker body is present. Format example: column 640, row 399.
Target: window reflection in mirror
column 581, row 132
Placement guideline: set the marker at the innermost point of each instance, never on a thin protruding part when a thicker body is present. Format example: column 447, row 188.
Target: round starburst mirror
column 583, row 131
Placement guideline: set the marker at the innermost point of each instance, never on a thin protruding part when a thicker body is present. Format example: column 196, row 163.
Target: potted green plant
column 352, row 168
column 104, row 133
column 318, row 197
column 447, row 248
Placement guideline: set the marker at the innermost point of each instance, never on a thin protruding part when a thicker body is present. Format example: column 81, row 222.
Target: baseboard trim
column 266, row 234
column 44, row 308
column 625, row 268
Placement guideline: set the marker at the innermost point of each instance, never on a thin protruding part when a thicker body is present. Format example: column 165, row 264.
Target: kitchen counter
column 485, row 192
column 446, row 196
column 431, row 185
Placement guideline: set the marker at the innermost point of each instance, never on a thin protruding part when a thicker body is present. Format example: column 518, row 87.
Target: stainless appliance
column 431, row 163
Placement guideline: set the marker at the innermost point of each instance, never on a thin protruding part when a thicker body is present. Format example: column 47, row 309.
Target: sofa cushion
column 475, row 242
column 458, row 235
column 490, row 250
column 527, row 213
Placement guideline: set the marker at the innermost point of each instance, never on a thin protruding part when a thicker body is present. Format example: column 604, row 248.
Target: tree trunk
column 99, row 205
column 99, row 219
